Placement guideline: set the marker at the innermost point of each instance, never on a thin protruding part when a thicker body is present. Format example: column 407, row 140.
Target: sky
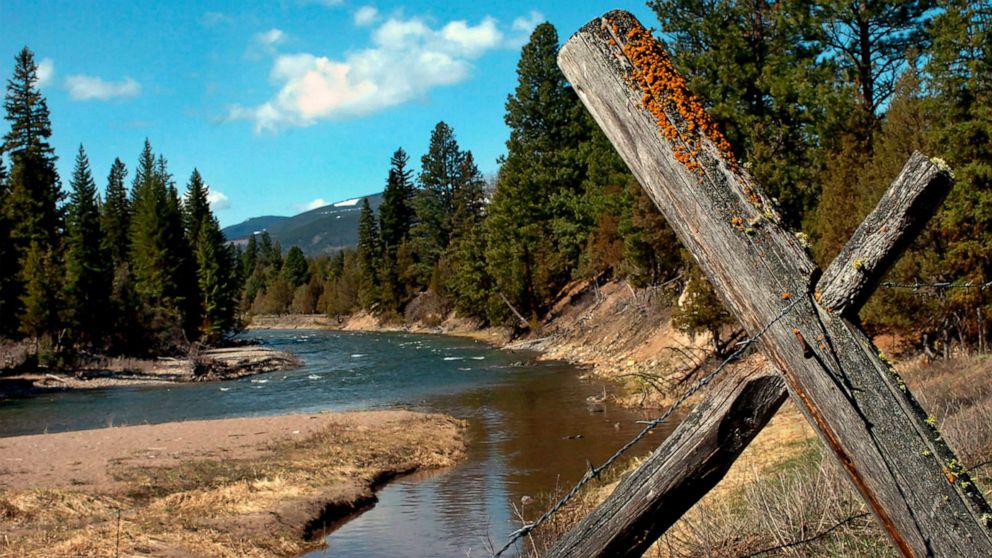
column 281, row 105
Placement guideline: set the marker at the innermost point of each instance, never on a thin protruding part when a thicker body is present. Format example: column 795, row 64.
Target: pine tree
column 396, row 218
column 159, row 252
column 115, row 217
column 295, row 269
column 467, row 278
column 41, row 277
column 88, row 272
column 32, row 192
column 196, row 206
column 396, row 214
column 368, row 255
column 9, row 266
column 439, row 178
column 755, row 65
column 543, row 161
column 215, row 281
column 960, row 108
column 870, row 41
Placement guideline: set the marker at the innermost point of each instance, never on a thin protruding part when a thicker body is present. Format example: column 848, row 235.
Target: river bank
column 783, row 479
column 266, row 486
column 220, row 364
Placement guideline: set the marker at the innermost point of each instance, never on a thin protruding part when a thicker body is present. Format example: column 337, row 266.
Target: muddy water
column 529, row 437
column 530, row 428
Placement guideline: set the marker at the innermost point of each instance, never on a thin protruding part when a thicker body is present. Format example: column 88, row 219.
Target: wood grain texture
column 704, row 447
column 857, row 405
column 690, row 462
column 900, row 215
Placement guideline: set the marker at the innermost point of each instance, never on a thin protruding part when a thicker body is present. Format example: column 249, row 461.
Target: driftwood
column 701, row 450
column 859, row 408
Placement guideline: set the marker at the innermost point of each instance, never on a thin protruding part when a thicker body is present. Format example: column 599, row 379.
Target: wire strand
column 594, row 472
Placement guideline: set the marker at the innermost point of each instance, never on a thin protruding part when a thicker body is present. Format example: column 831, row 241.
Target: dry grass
column 254, row 507
column 783, row 497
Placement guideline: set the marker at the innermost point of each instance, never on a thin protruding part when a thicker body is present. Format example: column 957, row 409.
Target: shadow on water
column 530, row 428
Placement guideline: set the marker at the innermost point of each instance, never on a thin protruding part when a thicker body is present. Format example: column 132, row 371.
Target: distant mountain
column 318, row 231
column 253, row 225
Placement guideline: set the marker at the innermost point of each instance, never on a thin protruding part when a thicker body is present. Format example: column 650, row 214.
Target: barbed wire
column 649, row 425
column 945, row 285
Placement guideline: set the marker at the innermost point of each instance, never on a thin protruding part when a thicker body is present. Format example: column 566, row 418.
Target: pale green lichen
column 931, row 420
column 943, row 166
column 803, row 239
column 926, row 453
column 858, row 264
column 986, row 519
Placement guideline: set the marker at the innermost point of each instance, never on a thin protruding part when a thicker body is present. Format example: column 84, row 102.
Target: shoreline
column 212, row 365
column 260, row 486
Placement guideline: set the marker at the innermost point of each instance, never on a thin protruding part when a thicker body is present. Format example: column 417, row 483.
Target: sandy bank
column 211, row 365
column 237, row 487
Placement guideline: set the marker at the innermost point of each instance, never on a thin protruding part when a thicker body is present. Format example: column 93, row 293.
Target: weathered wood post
column 861, row 411
column 702, row 449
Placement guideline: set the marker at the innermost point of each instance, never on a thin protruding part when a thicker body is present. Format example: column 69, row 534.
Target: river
column 530, row 429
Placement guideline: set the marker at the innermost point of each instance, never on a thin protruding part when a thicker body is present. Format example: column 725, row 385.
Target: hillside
column 318, row 231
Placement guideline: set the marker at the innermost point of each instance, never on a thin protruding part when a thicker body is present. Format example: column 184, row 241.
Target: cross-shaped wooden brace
column 858, row 406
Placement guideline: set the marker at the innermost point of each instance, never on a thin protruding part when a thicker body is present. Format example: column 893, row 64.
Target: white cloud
column 218, row 200
column 524, row 26
column 528, row 23
column 319, row 202
column 83, row 88
column 366, row 15
column 270, row 38
column 407, row 59
column 46, row 71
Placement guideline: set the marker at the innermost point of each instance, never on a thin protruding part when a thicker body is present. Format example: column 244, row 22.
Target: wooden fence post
column 702, row 449
column 862, row 412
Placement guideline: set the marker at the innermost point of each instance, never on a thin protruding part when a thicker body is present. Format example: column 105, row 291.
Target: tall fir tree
column 88, row 271
column 396, row 214
column 216, row 285
column 439, row 178
column 368, row 254
column 396, row 218
column 33, row 192
column 547, row 126
column 467, row 279
column 115, row 215
column 196, row 206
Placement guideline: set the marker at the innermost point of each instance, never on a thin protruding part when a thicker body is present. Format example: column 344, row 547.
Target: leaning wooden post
column 702, row 449
column 860, row 410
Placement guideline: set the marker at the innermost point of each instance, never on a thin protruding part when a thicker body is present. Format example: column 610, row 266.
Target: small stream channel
column 530, row 429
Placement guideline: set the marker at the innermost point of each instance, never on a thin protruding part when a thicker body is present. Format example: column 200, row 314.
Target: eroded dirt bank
column 260, row 486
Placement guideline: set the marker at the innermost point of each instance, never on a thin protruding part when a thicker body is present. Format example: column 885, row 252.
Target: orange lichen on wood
column 666, row 92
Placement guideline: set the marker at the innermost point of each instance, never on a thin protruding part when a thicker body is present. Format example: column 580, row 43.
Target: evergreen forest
column 823, row 102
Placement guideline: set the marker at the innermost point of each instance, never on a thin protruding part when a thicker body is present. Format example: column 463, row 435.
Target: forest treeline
column 823, row 102
column 131, row 272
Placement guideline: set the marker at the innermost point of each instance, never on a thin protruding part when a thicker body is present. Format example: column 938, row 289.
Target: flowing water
column 530, row 428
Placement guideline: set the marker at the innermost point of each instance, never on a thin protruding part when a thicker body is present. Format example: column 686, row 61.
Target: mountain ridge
column 322, row 230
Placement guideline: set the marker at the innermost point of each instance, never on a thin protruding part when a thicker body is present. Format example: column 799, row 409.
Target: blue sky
column 279, row 104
